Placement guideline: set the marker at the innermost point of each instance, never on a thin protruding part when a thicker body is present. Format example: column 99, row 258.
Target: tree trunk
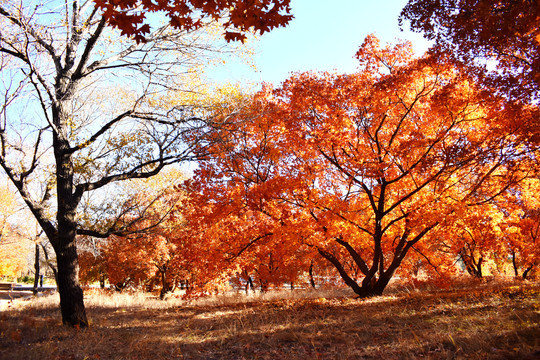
column 472, row 266
column 526, row 272
column 514, row 264
column 37, row 271
column 311, row 278
column 53, row 269
column 71, row 294
column 359, row 290
column 165, row 288
column 381, row 284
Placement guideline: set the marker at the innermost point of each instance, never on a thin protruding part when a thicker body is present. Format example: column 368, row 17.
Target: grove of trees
column 412, row 164
column 99, row 109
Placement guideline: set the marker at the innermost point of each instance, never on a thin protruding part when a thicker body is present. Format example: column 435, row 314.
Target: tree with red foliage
column 236, row 16
column 144, row 255
column 363, row 168
column 521, row 227
column 500, row 38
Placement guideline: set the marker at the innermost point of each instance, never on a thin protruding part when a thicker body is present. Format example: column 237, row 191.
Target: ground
column 481, row 322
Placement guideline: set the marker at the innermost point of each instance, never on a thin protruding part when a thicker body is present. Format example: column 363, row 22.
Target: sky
column 323, row 36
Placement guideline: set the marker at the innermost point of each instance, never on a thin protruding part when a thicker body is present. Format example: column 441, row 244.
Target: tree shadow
column 445, row 326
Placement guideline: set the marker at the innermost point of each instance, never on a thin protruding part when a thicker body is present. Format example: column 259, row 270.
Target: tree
column 92, row 262
column 145, row 256
column 236, row 16
column 521, row 227
column 14, row 250
column 84, row 109
column 13, row 245
column 7, row 209
column 475, row 237
column 363, row 168
column 500, row 38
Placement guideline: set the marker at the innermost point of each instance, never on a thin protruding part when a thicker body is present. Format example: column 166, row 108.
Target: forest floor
column 481, row 321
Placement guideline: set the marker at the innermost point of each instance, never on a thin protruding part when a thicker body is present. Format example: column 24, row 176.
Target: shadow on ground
column 466, row 324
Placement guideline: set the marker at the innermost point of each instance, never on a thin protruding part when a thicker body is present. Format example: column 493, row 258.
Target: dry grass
column 487, row 322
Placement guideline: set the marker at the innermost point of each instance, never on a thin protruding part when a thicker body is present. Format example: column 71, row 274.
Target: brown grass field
column 480, row 321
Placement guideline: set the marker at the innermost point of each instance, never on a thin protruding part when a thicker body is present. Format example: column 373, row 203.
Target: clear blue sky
column 323, row 36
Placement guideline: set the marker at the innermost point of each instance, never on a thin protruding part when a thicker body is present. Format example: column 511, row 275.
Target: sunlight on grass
column 498, row 322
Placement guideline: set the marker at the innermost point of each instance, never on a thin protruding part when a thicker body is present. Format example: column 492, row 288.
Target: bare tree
column 84, row 109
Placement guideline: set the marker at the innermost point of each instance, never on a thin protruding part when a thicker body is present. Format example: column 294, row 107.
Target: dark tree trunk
column 472, row 266
column 165, row 287
column 36, row 271
column 249, row 282
column 371, row 285
column 527, row 271
column 311, row 279
column 263, row 284
column 246, row 288
column 381, row 284
column 71, row 294
column 479, row 267
column 514, row 264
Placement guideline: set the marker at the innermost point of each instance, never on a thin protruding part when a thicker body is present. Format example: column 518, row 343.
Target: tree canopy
column 501, row 38
column 236, row 16
column 363, row 169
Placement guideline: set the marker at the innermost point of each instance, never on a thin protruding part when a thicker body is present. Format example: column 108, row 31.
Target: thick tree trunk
column 371, row 285
column 472, row 266
column 71, row 294
column 64, row 244
column 381, row 284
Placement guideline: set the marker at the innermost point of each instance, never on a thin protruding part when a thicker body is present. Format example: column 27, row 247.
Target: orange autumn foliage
column 521, row 227
column 501, row 38
column 236, row 16
column 142, row 255
column 499, row 44
column 364, row 169
column 14, row 247
column 14, row 252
